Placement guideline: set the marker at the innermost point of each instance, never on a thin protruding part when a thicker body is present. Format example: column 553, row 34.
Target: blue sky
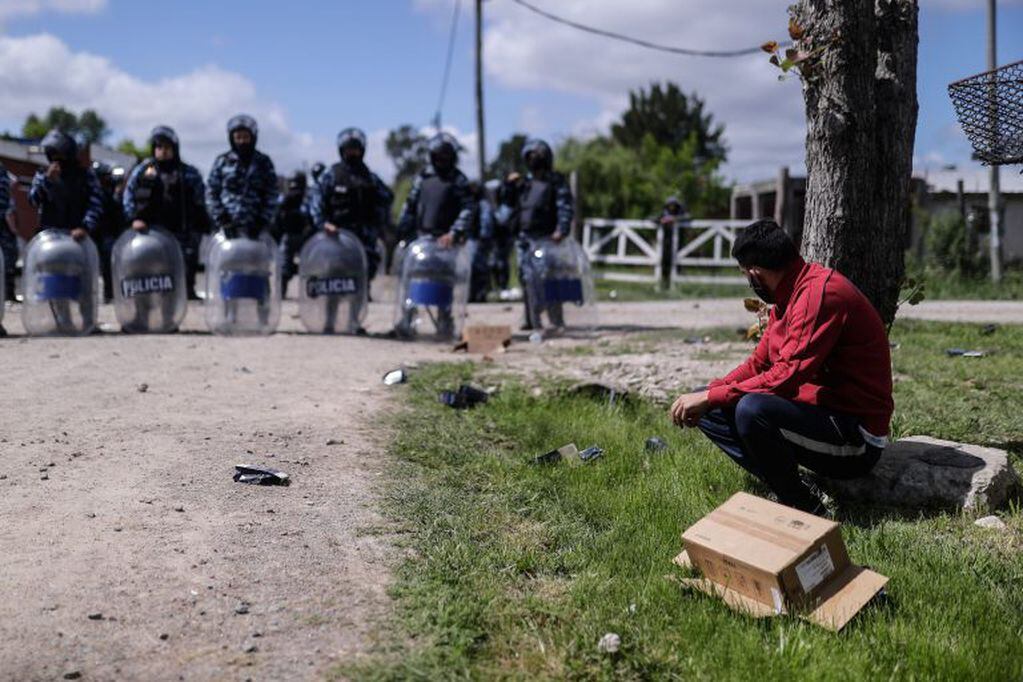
column 309, row 68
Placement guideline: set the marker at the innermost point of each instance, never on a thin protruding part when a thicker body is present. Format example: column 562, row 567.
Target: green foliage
column 946, row 243
column 407, row 148
column 674, row 120
column 514, row 571
column 126, row 146
column 617, row 181
column 509, row 158
column 88, row 126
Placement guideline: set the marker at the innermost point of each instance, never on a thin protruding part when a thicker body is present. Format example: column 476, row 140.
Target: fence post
column 667, row 253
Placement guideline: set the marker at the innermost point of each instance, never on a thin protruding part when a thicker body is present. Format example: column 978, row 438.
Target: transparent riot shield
column 433, row 290
column 243, row 288
column 60, row 283
column 3, row 288
column 559, row 285
column 149, row 281
column 332, row 283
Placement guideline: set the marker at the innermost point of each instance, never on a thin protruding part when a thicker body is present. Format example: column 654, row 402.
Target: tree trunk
column 861, row 121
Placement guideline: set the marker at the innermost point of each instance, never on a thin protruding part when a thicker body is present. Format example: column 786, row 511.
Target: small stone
column 333, row 441
column 179, row 509
column 95, row 616
column 609, row 643
column 251, row 649
column 117, row 529
column 242, row 608
column 164, row 636
column 73, row 675
column 992, row 522
column 90, row 515
column 142, row 388
column 256, row 635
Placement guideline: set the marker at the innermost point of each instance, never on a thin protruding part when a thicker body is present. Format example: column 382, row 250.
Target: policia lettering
column 153, row 284
column 331, row 286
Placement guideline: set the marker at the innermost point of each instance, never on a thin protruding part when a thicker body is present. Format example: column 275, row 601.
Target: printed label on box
column 815, row 568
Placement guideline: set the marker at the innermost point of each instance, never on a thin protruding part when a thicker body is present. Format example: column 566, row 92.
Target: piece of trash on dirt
column 395, row 376
column 591, row 453
column 609, row 643
column 989, row 329
column 142, row 388
column 655, row 444
column 555, row 456
column 486, row 338
column 247, row 473
column 536, row 337
column 95, row 616
column 696, row 340
column 242, row 608
column 465, row 397
column 334, row 441
column 964, row 353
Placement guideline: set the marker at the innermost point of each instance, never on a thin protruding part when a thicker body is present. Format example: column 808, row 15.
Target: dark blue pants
column 771, row 437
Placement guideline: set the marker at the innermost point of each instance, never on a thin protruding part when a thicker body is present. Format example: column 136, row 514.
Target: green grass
column 515, row 571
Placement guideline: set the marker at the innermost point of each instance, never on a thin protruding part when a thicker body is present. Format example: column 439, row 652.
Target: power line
column 636, row 41
column 447, row 63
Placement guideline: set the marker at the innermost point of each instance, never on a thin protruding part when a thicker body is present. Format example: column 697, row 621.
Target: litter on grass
column 964, row 353
column 395, row 376
column 655, row 444
column 465, row 397
column 591, row 453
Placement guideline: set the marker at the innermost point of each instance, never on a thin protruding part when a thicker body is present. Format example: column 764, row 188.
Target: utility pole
column 994, row 198
column 480, row 140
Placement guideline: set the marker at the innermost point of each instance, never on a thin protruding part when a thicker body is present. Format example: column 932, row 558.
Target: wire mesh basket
column 990, row 110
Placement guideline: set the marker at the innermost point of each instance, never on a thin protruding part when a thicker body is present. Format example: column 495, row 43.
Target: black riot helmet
column 164, row 135
column 443, row 150
column 242, row 122
column 104, row 171
column 59, row 146
column 317, row 170
column 297, row 183
column 353, row 141
column 538, row 155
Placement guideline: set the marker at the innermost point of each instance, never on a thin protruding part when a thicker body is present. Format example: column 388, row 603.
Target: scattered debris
column 609, row 643
column 536, row 337
column 179, row 509
column 247, row 473
column 334, row 441
column 95, row 616
column 465, row 397
column 486, row 338
column 989, row 329
column 395, row 376
column 992, row 522
column 164, row 636
column 73, row 675
column 655, row 444
column 142, row 388
column 963, row 353
column 555, row 456
column 242, row 608
column 591, row 453
column 251, row 649
column 697, row 340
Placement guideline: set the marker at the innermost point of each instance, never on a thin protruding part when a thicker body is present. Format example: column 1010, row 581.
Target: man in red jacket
column 816, row 392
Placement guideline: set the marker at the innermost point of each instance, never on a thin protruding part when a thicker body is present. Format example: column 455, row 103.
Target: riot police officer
column 292, row 226
column 440, row 201
column 68, row 197
column 542, row 203
column 110, row 224
column 8, row 239
column 351, row 197
column 241, row 190
column 165, row 191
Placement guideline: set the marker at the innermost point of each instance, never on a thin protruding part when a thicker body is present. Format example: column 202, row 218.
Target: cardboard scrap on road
column 483, row 339
column 765, row 559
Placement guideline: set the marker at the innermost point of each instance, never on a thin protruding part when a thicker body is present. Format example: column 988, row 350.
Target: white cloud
column 22, row 8
column 39, row 71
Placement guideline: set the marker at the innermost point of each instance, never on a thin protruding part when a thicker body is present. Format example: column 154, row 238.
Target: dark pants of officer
column 532, row 291
column 771, row 437
column 289, row 248
column 190, row 252
column 479, row 283
column 497, row 260
column 106, row 253
column 9, row 248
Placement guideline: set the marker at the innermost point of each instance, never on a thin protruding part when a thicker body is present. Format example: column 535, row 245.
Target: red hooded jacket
column 824, row 345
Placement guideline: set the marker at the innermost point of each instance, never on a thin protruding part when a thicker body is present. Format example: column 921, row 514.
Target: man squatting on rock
column 816, row 392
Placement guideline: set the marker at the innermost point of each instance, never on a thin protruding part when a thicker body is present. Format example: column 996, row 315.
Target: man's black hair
column 764, row 245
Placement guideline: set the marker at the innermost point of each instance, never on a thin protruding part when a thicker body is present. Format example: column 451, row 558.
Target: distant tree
column 672, row 117
column 509, row 157
column 89, row 126
column 407, row 148
column 126, row 146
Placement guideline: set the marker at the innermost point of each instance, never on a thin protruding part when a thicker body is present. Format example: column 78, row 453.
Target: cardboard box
column 766, row 559
column 484, row 338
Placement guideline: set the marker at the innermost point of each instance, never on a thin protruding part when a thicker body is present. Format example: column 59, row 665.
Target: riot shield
column 149, row 281
column 332, row 283
column 61, row 285
column 433, row 290
column 243, row 292
column 559, row 285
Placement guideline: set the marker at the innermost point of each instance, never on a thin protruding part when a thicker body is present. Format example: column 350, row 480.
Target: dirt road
column 129, row 553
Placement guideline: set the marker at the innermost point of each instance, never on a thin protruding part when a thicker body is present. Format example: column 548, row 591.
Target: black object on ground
column 598, row 391
column 989, row 329
column 655, row 444
column 552, row 457
column 465, row 397
column 591, row 453
column 964, row 353
column 246, row 473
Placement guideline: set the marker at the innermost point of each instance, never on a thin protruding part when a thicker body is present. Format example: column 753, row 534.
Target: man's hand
column 53, row 171
column 557, row 237
column 79, row 233
column 330, row 228
column 445, row 241
column 138, row 225
column 689, row 408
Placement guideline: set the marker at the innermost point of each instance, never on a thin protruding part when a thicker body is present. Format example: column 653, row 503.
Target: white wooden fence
column 633, row 249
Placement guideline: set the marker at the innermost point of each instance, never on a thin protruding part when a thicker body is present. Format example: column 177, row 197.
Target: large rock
column 921, row 472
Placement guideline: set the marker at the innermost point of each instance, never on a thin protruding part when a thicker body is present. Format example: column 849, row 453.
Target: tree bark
column 861, row 108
